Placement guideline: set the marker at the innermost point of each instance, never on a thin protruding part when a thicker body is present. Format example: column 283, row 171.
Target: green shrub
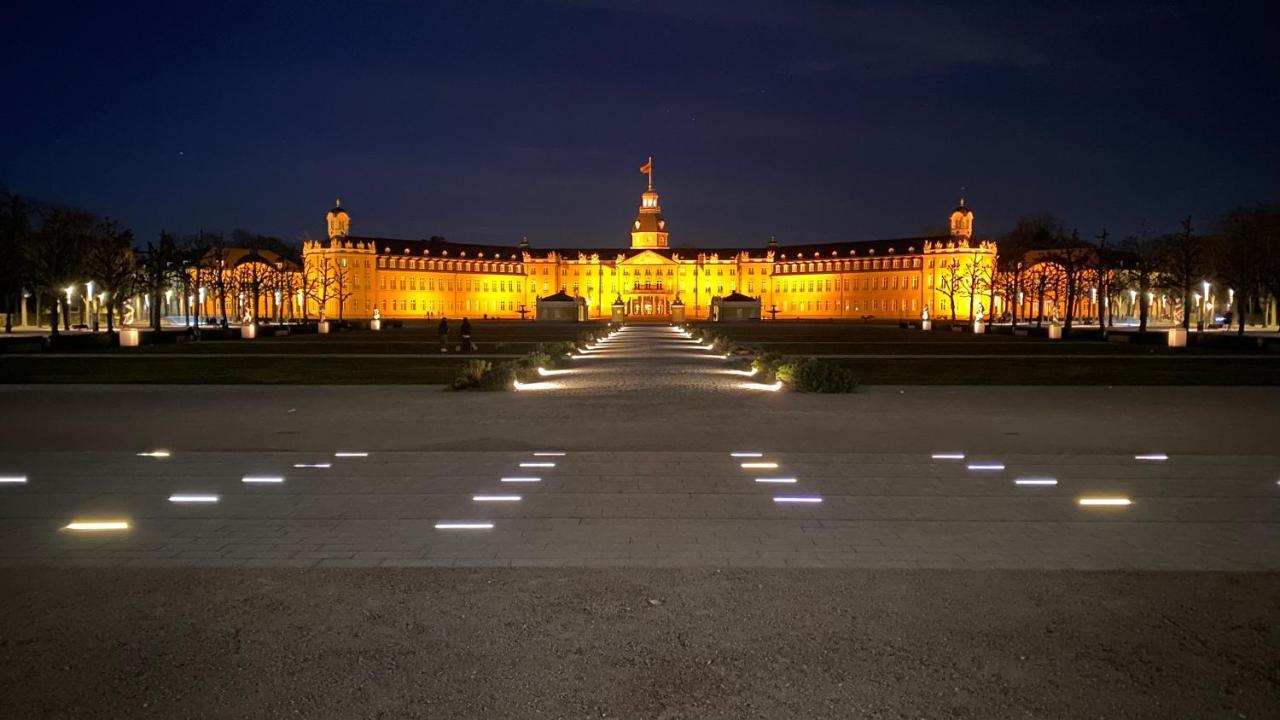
column 502, row 375
column 814, row 375
column 559, row 350
column 536, row 359
column 767, row 364
column 471, row 374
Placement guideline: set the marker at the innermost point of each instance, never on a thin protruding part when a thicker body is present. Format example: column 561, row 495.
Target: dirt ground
column 631, row 642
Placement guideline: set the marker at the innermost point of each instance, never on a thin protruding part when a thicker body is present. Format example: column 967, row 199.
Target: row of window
column 890, row 305
column 894, row 282
column 850, row 265
column 447, row 284
column 408, row 263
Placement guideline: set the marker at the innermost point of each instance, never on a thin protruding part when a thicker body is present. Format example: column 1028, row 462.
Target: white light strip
column 1157, row 457
column 746, row 454
column 92, row 526
column 464, row 526
column 321, row 466
column 350, row 454
column 1035, row 481
column 549, row 453
column 759, row 386
column 262, row 479
column 797, row 499
column 947, row 456
column 538, row 464
column 13, row 478
column 759, row 465
column 1104, row 501
column 521, row 479
column 787, row 480
column 193, row 498
column 155, row 454
column 496, row 498
column 986, row 466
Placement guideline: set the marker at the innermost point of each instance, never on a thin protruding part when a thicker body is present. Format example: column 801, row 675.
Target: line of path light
column 759, row 463
column 1109, row 511
column 653, row 359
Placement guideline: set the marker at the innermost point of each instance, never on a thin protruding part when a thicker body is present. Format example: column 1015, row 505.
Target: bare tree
column 950, row 282
column 15, row 235
column 1183, row 266
column 1072, row 258
column 56, row 257
column 1102, row 278
column 156, row 272
column 111, row 261
column 975, row 283
column 321, row 282
column 342, row 286
column 1144, row 272
column 1044, row 280
column 1240, row 256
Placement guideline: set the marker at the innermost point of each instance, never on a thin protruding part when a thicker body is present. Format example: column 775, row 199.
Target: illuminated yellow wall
column 897, row 283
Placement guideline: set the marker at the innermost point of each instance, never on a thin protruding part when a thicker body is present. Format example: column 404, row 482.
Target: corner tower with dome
column 351, row 275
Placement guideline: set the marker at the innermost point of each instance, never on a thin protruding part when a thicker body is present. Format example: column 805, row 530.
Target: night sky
column 812, row 122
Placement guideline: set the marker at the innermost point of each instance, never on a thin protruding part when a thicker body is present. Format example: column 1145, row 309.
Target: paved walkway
column 646, row 423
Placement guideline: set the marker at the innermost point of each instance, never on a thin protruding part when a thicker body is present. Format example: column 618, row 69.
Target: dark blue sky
column 480, row 122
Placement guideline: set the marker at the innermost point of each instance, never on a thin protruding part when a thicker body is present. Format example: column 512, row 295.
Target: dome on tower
column 337, row 220
column 962, row 221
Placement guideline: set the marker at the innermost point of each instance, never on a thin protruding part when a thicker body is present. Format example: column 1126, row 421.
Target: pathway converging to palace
column 649, row 359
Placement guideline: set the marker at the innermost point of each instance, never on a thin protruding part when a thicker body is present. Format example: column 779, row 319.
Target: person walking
column 466, row 335
column 444, row 334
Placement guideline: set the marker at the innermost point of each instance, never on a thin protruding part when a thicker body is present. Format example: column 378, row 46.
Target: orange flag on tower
column 647, row 167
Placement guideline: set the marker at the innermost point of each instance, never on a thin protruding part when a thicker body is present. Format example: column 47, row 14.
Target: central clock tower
column 649, row 229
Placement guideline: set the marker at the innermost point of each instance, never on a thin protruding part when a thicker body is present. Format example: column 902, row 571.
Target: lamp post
column 90, row 309
column 1204, row 304
column 66, row 319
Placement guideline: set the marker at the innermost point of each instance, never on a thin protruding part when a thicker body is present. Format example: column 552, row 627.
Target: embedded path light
column 1104, row 501
column 193, row 498
column 464, row 526
column 155, row 454
column 350, row 454
column 986, row 467
column 96, row 525
column 13, row 479
column 262, row 479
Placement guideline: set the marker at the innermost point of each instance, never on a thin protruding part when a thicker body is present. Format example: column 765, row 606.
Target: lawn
column 883, row 354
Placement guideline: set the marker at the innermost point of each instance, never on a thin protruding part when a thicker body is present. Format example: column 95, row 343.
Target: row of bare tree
column 46, row 249
column 1040, row 260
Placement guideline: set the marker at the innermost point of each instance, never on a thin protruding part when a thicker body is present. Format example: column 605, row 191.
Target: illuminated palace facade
column 889, row 279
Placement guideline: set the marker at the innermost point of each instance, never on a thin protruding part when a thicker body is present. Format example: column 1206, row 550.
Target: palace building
column 351, row 275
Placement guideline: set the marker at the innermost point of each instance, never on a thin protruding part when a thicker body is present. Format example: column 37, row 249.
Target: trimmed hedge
column 818, row 376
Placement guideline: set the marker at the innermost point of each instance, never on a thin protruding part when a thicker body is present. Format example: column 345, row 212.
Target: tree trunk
column 1240, row 310
column 53, row 320
column 1186, row 309
column 110, row 325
